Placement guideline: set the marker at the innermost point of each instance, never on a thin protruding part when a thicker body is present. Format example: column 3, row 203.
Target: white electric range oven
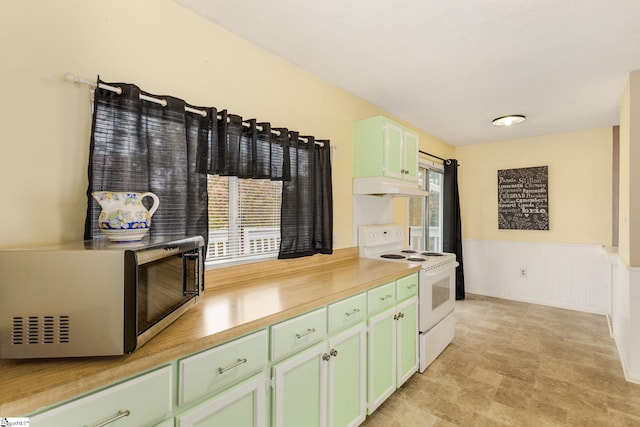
column 437, row 292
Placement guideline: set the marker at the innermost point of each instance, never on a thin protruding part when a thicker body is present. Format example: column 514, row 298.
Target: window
column 244, row 219
column 425, row 214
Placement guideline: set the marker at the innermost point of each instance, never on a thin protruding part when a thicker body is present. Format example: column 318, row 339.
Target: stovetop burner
column 392, row 256
column 385, row 242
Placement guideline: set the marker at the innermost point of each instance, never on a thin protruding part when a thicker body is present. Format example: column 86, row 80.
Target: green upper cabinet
column 383, row 147
column 410, row 153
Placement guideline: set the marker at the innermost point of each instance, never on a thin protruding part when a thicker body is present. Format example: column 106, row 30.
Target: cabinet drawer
column 381, row 298
column 137, row 402
column 242, row 405
column 222, row 366
column 407, row 287
column 347, row 312
column 300, row 332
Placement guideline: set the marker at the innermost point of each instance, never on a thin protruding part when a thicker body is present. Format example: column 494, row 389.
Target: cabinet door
column 300, row 388
column 348, row 377
column 381, row 352
column 242, row 405
column 393, row 157
column 410, row 157
column 407, row 340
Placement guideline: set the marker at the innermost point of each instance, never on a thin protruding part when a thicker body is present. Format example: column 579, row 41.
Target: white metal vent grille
column 40, row 330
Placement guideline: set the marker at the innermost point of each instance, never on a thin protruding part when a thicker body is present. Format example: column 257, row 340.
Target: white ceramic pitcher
column 124, row 218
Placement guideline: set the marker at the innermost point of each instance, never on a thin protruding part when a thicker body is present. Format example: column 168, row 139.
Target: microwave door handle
column 186, row 258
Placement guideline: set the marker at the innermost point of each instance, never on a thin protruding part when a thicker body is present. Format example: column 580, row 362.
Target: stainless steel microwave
column 95, row 298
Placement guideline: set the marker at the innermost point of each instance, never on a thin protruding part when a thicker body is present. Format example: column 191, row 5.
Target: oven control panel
column 381, row 234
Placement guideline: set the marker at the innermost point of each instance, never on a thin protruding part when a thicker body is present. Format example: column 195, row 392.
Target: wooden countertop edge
column 88, row 374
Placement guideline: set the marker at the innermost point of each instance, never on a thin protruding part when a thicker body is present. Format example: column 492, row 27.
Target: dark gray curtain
column 306, row 224
column 452, row 226
column 139, row 146
column 247, row 149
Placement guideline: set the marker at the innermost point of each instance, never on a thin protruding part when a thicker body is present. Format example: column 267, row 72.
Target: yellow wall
column 629, row 211
column 579, row 186
column 164, row 49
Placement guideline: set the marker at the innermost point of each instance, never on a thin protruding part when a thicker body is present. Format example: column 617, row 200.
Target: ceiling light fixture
column 509, row 120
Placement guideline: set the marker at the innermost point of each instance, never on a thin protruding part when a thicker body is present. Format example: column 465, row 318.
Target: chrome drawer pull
column 386, row 297
column 121, row 414
column 352, row 312
column 413, row 285
column 308, row 331
column 233, row 365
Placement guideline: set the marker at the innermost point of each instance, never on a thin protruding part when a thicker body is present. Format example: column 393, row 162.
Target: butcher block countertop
column 237, row 301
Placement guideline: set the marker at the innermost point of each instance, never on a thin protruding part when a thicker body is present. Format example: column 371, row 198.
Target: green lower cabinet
column 300, row 388
column 243, row 405
column 324, row 385
column 406, row 338
column 348, row 377
column 381, row 358
column 392, row 350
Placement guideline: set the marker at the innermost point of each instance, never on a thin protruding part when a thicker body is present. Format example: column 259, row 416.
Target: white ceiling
column 450, row 66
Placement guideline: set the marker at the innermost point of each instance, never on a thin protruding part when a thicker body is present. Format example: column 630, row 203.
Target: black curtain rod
column 435, row 157
column 431, row 155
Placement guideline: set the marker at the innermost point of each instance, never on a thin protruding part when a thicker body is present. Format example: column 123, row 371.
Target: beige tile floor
column 518, row 364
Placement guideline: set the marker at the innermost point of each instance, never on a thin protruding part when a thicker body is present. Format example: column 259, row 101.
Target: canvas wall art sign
column 523, row 198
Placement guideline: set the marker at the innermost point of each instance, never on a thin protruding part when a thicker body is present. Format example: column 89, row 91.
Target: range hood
column 381, row 186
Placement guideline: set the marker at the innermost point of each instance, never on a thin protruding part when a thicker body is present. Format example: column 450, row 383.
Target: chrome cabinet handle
column 326, row 357
column 386, row 297
column 233, row 365
column 398, row 316
column 352, row 312
column 307, row 332
column 333, row 352
column 121, row 414
column 411, row 286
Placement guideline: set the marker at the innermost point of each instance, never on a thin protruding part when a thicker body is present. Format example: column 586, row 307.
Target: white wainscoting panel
column 561, row 275
column 625, row 315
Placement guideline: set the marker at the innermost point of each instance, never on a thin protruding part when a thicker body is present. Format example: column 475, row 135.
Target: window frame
column 234, row 232
column 424, row 167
